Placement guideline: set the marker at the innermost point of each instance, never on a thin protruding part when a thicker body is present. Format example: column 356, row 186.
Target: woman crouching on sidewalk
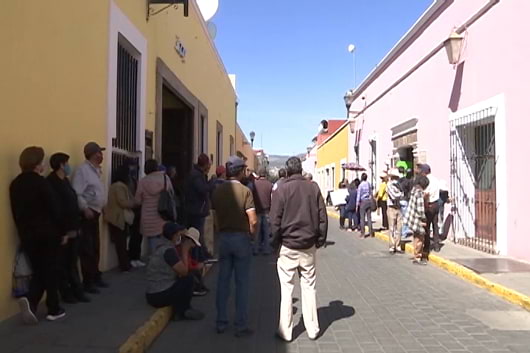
column 169, row 283
column 415, row 218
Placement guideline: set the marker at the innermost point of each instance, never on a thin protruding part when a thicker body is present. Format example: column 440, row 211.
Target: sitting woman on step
column 169, row 282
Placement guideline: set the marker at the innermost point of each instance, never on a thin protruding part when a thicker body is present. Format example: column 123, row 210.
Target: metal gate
column 125, row 144
column 473, row 189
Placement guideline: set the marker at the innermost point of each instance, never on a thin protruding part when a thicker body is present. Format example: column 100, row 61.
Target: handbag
column 373, row 204
column 166, row 204
column 22, row 274
column 446, row 227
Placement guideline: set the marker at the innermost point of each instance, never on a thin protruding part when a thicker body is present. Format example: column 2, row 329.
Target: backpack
column 166, row 204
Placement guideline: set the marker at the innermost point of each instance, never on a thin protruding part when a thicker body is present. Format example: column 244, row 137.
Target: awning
column 353, row 166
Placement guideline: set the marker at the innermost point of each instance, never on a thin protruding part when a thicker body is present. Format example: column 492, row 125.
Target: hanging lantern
column 453, row 47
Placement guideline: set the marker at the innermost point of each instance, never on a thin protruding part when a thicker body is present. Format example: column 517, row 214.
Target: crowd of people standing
column 58, row 223
column 409, row 207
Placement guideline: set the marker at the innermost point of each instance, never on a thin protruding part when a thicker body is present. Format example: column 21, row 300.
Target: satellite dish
column 212, row 29
column 351, row 48
column 208, row 8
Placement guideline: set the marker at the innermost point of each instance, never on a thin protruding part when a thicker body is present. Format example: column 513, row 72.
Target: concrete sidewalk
column 512, row 286
column 98, row 327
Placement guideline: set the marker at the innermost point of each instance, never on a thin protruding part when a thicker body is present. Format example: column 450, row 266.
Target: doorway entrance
column 473, row 180
column 177, row 133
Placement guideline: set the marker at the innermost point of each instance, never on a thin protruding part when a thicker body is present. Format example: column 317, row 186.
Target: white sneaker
column 28, row 317
column 140, row 263
column 134, row 264
column 56, row 316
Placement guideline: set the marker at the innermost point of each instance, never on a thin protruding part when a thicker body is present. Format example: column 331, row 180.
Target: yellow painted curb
column 147, row 333
column 499, row 290
column 143, row 337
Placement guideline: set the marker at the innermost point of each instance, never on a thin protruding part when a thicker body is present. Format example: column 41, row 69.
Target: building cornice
column 412, row 34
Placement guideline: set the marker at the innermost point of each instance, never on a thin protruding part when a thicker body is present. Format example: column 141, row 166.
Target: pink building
column 416, row 106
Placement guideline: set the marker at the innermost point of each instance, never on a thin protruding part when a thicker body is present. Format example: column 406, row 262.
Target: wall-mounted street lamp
column 252, row 136
column 453, row 47
column 348, row 100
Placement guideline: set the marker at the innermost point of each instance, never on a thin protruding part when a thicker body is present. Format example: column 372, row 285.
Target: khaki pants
column 289, row 263
column 418, row 245
column 395, row 220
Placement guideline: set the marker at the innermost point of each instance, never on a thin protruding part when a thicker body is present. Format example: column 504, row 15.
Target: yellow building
column 103, row 71
column 332, row 153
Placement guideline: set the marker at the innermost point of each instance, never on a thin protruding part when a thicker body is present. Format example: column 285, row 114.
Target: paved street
column 369, row 302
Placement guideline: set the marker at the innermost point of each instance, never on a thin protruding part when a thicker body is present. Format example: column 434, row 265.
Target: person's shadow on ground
column 335, row 311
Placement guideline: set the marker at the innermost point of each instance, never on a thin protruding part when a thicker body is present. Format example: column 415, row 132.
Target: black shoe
column 190, row 314
column 101, row 283
column 82, row 298
column 220, row 329
column 69, row 299
column 244, row 333
column 92, row 289
column 59, row 314
column 200, row 292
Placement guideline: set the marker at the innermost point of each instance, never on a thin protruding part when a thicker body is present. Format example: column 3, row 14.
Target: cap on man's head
column 425, row 168
column 92, row 148
column 235, row 162
column 170, row 228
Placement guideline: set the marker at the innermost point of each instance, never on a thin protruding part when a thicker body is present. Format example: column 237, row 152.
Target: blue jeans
column 353, row 219
column 405, row 232
column 153, row 242
column 262, row 242
column 235, row 254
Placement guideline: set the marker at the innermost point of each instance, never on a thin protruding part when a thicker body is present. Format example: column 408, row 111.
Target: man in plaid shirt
column 415, row 218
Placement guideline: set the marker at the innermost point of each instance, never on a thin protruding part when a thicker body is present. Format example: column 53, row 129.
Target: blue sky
column 292, row 63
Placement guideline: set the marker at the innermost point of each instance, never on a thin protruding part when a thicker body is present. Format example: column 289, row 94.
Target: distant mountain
column 278, row 161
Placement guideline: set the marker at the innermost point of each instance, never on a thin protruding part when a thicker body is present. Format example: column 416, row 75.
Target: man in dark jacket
column 299, row 226
column 197, row 197
column 68, row 225
column 351, row 203
column 262, row 199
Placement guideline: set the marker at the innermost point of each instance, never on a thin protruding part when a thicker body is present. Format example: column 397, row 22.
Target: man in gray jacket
column 91, row 196
column 299, row 225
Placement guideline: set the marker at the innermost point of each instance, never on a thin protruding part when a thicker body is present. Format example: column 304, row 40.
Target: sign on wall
column 180, row 48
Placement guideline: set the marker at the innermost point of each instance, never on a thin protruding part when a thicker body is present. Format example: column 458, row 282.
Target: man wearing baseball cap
column 395, row 195
column 169, row 282
column 236, row 220
column 91, row 197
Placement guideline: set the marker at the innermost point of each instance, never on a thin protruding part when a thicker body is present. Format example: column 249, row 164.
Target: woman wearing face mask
column 69, row 223
column 119, row 214
column 36, row 217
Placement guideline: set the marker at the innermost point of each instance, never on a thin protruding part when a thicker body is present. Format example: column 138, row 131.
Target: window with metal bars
column 125, row 144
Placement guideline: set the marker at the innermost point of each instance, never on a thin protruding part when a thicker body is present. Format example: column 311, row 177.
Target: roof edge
column 408, row 38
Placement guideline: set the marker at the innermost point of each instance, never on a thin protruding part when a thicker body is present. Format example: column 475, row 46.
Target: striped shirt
column 415, row 215
column 395, row 194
